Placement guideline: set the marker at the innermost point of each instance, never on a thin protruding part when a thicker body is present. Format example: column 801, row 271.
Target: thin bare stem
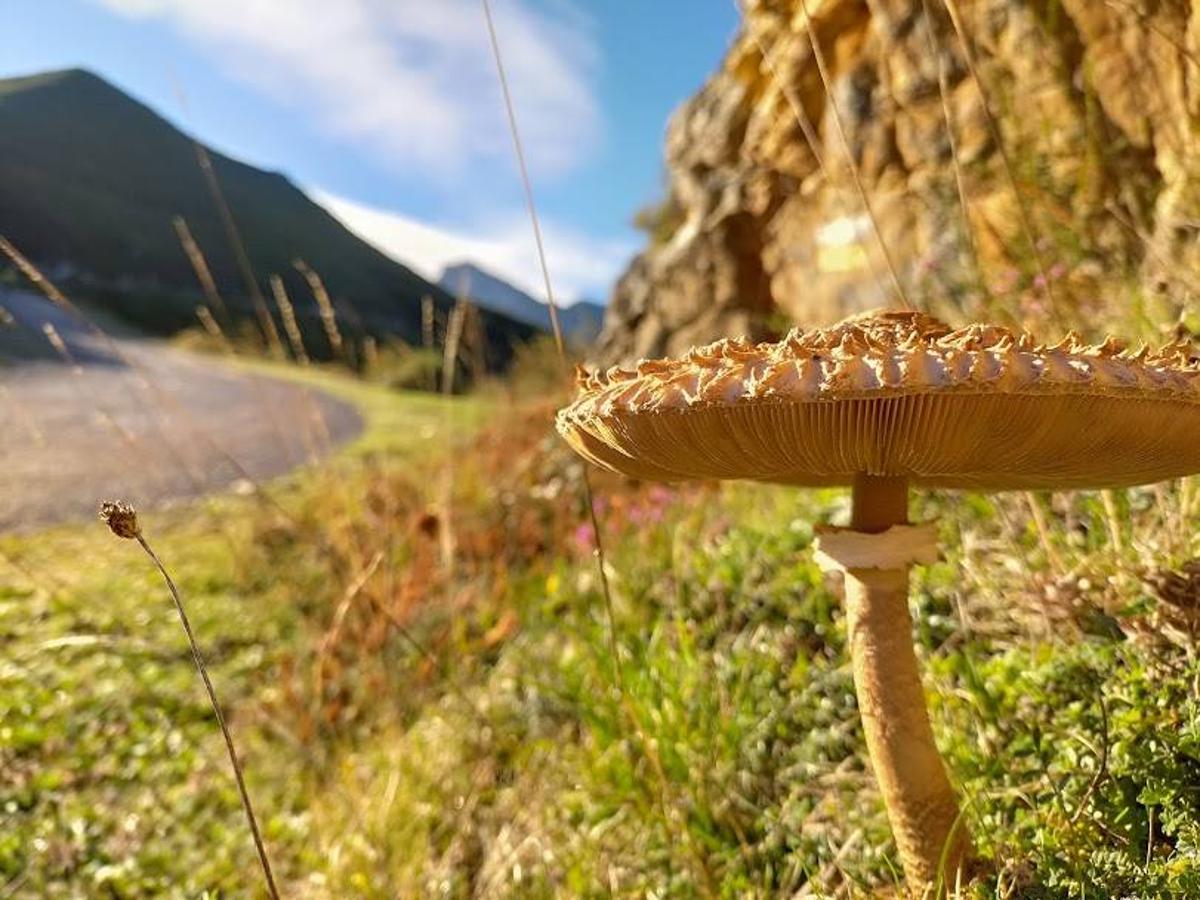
column 200, row 266
column 1009, row 171
column 952, row 138
column 330, row 638
column 137, row 371
column 324, row 307
column 1113, row 520
column 527, row 186
column 1144, row 19
column 1043, row 531
column 265, row 321
column 409, row 638
column 288, row 313
column 427, row 317
column 198, row 659
column 446, row 536
column 649, row 747
column 526, row 183
column 826, row 81
column 454, row 331
column 809, row 131
column 60, row 347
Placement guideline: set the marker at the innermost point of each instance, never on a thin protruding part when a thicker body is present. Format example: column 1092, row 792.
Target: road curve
column 139, row 420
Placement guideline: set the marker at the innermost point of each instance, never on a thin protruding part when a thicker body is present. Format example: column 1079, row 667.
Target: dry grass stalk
column 1057, row 566
column 212, row 329
column 811, row 138
column 121, row 518
column 200, row 266
column 543, row 265
column 266, row 323
column 159, row 399
column 526, row 182
column 826, row 81
column 649, row 747
column 454, row 333
column 324, row 306
column 428, row 313
column 1112, row 520
column 370, row 349
column 40, row 281
column 60, row 347
column 960, row 182
column 288, row 314
column 427, row 322
column 1009, row 171
column 330, row 638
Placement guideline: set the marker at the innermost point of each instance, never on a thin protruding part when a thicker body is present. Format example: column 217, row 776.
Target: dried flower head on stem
column 121, row 518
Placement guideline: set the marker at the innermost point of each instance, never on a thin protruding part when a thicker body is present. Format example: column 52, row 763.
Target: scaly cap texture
column 899, row 394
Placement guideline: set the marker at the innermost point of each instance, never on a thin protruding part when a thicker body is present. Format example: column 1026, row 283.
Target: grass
column 417, row 723
column 114, row 778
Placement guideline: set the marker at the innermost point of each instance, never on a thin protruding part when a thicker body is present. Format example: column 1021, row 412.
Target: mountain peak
column 91, row 180
column 74, row 78
column 581, row 321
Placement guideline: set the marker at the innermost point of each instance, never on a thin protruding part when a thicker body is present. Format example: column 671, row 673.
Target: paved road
column 139, row 420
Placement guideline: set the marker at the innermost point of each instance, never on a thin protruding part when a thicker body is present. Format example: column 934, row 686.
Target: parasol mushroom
column 883, row 402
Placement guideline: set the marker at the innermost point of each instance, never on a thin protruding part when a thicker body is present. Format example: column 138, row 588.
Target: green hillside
column 90, row 180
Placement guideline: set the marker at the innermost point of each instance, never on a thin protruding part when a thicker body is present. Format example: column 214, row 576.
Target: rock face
column 1095, row 103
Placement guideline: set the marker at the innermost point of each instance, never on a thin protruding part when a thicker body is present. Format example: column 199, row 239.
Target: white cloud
column 411, row 80
column 579, row 265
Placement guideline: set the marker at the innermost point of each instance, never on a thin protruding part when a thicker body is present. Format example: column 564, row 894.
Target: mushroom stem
column 878, row 502
column 922, row 808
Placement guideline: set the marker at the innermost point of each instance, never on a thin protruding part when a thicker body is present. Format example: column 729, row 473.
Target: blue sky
column 389, row 112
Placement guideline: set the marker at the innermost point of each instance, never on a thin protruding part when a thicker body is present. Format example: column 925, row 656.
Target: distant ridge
column 580, row 321
column 90, row 180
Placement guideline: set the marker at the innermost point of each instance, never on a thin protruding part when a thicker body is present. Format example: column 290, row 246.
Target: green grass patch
column 431, row 699
column 115, row 781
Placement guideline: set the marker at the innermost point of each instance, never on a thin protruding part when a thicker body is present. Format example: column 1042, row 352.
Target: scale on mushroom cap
column 881, row 402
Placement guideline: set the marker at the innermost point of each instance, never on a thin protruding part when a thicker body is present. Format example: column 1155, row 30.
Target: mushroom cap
column 898, row 394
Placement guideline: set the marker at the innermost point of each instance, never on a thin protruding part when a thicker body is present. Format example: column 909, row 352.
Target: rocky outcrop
column 1095, row 103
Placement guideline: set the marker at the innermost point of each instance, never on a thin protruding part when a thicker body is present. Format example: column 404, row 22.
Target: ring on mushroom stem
column 881, row 402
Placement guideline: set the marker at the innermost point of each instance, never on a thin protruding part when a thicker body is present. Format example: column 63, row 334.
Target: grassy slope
column 731, row 763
